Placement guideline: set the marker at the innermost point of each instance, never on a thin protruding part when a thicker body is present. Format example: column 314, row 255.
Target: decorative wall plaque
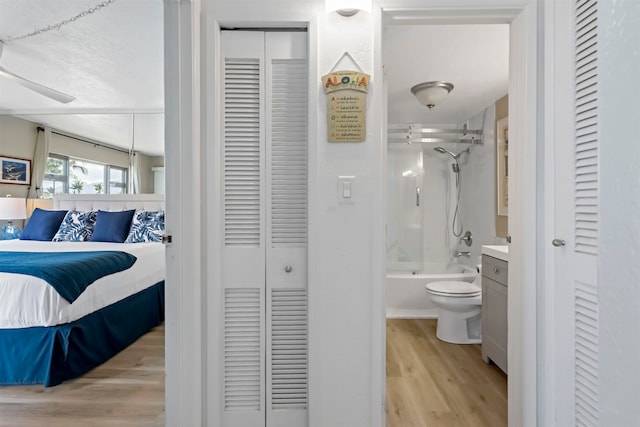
column 346, row 105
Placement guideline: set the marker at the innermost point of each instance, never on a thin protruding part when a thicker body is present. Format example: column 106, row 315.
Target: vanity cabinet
column 494, row 311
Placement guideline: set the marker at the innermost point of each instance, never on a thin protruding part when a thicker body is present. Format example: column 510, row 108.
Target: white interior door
column 286, row 254
column 575, row 244
column 265, row 228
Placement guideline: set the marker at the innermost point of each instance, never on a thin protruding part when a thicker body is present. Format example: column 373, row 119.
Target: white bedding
column 27, row 301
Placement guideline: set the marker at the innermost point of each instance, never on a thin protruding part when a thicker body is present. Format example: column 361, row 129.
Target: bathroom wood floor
column 127, row 390
column 431, row 383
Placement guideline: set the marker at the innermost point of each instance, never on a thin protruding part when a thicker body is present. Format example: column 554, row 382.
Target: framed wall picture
column 15, row 171
column 502, row 165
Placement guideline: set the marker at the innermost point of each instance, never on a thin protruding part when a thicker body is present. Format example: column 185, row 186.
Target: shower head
column 455, row 156
column 443, row 151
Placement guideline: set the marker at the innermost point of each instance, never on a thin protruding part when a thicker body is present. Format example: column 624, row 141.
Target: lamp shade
column 431, row 94
column 348, row 7
column 32, row 204
column 13, row 208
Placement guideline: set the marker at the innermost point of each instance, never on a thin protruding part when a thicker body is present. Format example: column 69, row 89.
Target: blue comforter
column 69, row 273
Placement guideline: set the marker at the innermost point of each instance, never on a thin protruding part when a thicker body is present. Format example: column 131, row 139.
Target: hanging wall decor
column 15, row 171
column 346, row 105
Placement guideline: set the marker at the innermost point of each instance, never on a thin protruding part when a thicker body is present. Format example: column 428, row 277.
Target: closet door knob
column 288, row 269
column 558, row 242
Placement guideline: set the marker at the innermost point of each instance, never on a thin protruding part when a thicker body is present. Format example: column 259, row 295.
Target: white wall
column 345, row 242
column 619, row 246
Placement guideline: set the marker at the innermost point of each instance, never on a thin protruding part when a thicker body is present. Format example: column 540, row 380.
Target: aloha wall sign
column 346, row 106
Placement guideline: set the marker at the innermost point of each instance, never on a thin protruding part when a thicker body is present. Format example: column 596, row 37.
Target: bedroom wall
column 146, row 174
column 17, row 139
column 71, row 147
column 81, row 149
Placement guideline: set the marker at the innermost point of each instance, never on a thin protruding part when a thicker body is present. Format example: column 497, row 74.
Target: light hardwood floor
column 127, row 390
column 431, row 383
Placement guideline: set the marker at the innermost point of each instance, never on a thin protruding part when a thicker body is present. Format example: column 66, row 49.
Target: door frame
column 524, row 269
column 185, row 361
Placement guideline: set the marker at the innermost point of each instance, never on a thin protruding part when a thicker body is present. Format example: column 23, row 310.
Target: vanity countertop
column 496, row 251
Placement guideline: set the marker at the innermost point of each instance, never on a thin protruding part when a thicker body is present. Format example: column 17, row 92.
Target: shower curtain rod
column 414, row 133
column 473, row 141
column 412, row 128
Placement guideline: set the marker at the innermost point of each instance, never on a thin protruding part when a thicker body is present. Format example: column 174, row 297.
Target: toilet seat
column 454, row 289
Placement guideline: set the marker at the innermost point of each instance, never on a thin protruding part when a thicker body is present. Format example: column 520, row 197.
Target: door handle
column 558, row 242
column 288, row 269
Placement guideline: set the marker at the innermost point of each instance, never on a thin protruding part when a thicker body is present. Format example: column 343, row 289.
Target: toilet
column 459, row 306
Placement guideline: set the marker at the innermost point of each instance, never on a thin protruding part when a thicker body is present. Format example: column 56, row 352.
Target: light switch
column 346, row 190
column 345, row 187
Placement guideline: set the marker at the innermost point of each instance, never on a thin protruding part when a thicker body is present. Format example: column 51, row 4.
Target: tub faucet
column 466, row 253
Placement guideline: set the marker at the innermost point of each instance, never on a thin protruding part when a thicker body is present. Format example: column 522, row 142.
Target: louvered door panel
column 287, row 145
column 242, row 356
column 289, row 365
column 243, row 222
column 242, row 152
column 586, row 128
column 586, row 355
column 585, row 310
column 289, row 153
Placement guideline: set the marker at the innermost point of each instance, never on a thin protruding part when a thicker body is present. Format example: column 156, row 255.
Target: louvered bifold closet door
column 243, row 250
column 586, row 318
column 287, row 147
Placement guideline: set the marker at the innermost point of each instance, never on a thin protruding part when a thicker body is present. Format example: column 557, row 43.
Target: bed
column 48, row 336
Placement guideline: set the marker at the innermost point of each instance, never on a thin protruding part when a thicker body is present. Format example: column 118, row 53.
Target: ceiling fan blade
column 42, row 90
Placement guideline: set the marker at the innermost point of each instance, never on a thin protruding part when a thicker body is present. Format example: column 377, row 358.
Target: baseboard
column 412, row 314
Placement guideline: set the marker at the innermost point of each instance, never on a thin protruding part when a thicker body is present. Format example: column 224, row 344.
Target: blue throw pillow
column 76, row 226
column 147, row 226
column 112, row 226
column 42, row 225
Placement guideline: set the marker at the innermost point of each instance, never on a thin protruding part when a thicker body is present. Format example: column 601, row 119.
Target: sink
column 496, row 251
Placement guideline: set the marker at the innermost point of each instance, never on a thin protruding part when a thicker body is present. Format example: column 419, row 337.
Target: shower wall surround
column 477, row 197
column 479, row 189
column 421, row 235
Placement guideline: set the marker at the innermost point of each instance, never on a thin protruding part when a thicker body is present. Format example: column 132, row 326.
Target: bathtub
column 406, row 296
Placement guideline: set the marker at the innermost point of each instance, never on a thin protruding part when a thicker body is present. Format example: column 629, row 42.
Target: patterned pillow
column 147, row 226
column 76, row 226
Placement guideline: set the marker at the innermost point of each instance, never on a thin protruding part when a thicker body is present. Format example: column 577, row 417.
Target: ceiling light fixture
column 348, row 7
column 431, row 93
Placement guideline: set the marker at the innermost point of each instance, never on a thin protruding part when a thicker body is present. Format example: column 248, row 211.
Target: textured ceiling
column 110, row 60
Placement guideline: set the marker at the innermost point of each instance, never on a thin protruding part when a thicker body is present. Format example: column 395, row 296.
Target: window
column 69, row 175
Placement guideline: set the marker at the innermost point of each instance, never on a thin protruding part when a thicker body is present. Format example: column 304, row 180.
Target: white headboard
column 109, row 202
